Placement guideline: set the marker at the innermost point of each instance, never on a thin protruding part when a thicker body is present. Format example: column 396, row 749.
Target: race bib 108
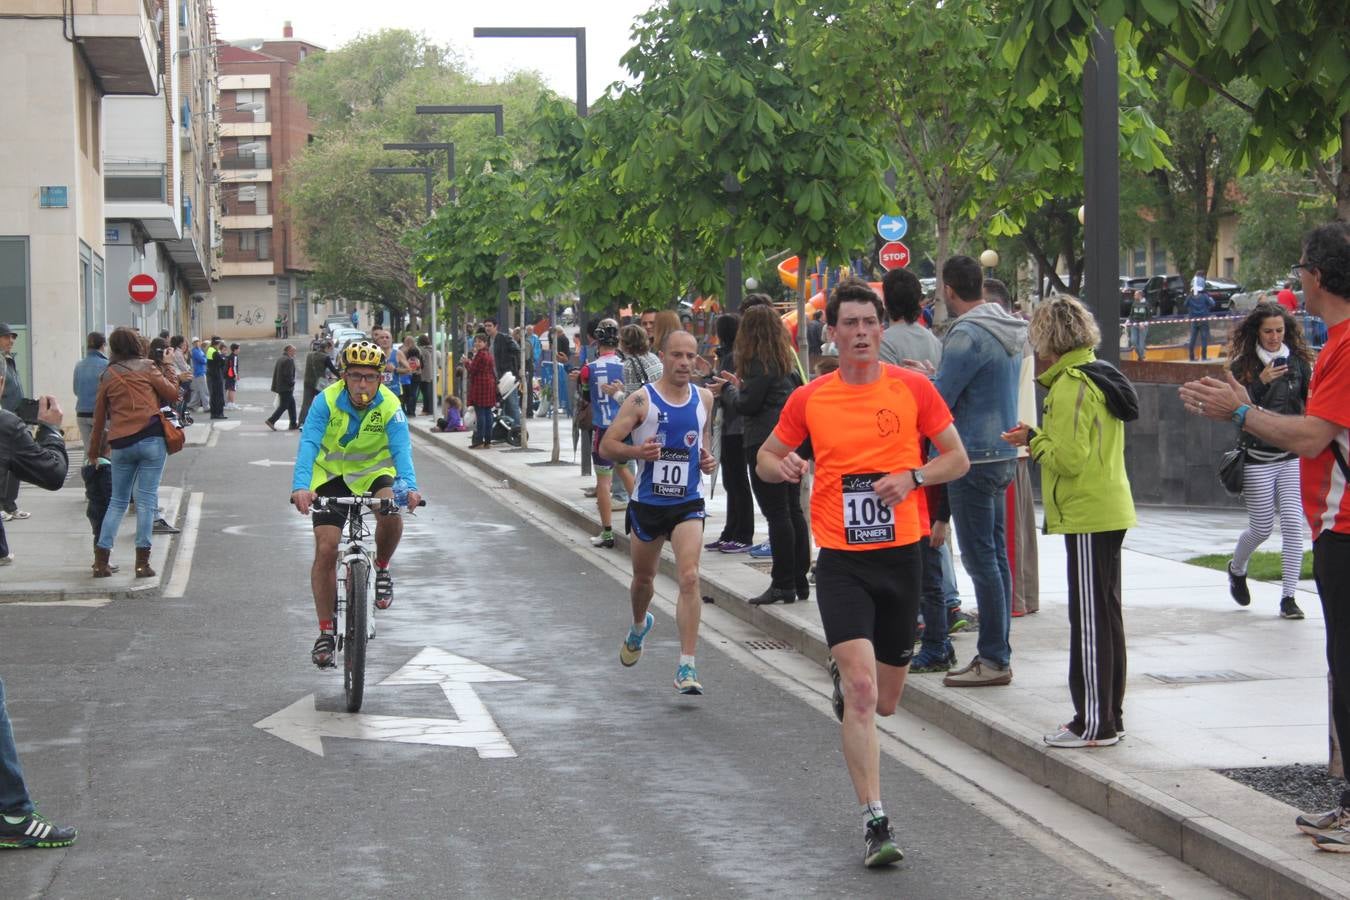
column 866, row 519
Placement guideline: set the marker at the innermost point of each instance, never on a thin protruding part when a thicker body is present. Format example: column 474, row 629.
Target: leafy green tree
column 984, row 161
column 1278, row 209
column 1293, row 53
column 354, row 225
column 1185, row 201
column 738, row 149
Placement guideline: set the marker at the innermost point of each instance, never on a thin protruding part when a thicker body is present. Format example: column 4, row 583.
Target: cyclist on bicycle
column 355, row 441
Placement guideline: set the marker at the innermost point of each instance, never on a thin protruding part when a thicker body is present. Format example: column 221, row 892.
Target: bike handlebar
column 379, row 504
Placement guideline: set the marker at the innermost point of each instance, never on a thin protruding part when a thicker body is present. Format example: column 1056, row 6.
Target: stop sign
column 894, row 255
column 142, row 288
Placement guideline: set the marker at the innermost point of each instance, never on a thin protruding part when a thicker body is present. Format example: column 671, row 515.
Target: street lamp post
column 579, row 36
column 449, row 148
column 426, row 172
column 499, row 128
column 1101, row 187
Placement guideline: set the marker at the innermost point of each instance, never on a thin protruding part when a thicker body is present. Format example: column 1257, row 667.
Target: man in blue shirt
column 88, row 371
column 199, row 392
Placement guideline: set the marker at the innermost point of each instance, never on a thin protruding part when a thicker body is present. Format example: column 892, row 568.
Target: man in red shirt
column 866, row 422
column 1287, row 298
column 1322, row 439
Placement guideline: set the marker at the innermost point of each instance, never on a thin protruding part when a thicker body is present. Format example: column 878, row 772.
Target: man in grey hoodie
column 978, row 377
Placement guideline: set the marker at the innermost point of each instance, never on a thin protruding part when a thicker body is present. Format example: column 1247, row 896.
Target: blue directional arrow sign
column 892, row 228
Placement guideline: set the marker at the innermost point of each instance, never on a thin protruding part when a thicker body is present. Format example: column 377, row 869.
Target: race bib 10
column 670, row 473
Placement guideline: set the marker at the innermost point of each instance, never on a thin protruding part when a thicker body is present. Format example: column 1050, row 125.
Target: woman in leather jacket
column 766, row 373
column 127, row 429
column 1270, row 358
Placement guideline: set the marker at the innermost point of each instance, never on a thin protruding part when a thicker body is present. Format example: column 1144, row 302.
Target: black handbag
column 1231, row 468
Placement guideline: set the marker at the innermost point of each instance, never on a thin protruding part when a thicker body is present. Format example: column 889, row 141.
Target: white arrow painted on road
column 303, row 725
column 268, row 463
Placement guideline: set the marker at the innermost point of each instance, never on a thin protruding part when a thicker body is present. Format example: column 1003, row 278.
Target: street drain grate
column 759, row 644
column 1219, row 677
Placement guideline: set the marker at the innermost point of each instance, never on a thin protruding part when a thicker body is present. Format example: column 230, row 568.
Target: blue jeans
column 932, row 603
column 482, row 425
column 139, row 466
column 979, row 508
column 14, row 799
column 950, row 594
column 1139, row 339
column 1199, row 331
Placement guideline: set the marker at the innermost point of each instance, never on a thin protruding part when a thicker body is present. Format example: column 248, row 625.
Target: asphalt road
column 137, row 722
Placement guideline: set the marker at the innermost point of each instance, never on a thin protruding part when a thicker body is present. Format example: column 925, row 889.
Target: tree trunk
column 1343, row 179
column 944, row 247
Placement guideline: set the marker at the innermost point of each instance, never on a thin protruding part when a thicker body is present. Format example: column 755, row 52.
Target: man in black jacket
column 506, row 353
column 283, row 385
column 42, row 462
column 316, row 364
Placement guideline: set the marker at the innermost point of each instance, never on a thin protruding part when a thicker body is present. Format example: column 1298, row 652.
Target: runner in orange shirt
column 866, row 422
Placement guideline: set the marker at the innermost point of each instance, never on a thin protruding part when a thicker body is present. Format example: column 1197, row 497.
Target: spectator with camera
column 10, row 398
column 41, row 461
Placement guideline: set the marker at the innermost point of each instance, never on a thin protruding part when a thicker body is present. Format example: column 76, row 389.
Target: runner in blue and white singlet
column 675, row 477
column 669, row 439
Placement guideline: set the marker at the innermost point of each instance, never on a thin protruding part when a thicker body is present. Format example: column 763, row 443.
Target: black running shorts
column 338, row 488
column 650, row 521
column 871, row 594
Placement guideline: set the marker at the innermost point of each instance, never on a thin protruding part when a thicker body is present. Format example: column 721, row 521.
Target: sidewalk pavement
column 54, row 549
column 1211, row 685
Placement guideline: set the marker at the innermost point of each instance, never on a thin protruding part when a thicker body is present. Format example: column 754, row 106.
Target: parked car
column 1165, row 293
column 1222, row 292
column 1246, row 301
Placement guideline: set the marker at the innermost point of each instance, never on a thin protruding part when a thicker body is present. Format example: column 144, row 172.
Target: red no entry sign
column 894, row 255
column 142, row 288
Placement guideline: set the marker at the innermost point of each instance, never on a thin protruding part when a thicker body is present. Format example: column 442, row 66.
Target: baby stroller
column 501, row 432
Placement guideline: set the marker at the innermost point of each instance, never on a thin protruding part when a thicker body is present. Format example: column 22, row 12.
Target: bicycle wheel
column 354, row 635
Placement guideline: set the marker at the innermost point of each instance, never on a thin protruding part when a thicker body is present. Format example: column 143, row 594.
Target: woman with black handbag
column 1270, row 358
column 128, row 430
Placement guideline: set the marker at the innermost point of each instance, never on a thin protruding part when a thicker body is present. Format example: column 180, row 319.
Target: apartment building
column 159, row 173
column 58, row 60
column 263, row 124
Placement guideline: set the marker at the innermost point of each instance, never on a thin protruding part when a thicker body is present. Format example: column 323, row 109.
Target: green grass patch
column 1263, row 566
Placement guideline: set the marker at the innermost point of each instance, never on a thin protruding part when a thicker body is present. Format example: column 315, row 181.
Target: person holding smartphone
column 1271, row 359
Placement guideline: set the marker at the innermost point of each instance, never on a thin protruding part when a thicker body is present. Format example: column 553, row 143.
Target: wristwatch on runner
column 917, row 476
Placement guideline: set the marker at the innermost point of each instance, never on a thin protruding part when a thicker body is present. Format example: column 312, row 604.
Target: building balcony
column 244, row 176
column 121, row 43
column 255, row 267
column 139, row 182
column 245, row 222
column 246, row 161
column 245, row 129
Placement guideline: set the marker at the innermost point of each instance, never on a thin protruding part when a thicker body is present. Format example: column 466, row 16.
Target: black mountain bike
column 355, row 591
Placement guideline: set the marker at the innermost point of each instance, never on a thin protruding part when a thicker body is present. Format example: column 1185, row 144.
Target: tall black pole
column 1101, row 189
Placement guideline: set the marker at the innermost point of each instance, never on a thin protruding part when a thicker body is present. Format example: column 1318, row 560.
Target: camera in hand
column 28, row 411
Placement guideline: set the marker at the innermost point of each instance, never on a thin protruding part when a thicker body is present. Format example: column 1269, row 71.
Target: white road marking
column 187, row 546
column 269, row 463
column 213, row 439
column 86, row 603
column 473, row 726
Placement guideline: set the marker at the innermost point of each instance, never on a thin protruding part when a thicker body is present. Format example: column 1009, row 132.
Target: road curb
column 1231, row 857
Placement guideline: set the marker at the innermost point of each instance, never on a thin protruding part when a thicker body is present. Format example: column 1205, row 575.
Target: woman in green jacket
column 1080, row 447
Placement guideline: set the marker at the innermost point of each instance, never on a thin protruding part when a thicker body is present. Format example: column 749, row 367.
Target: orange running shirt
column 859, row 434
